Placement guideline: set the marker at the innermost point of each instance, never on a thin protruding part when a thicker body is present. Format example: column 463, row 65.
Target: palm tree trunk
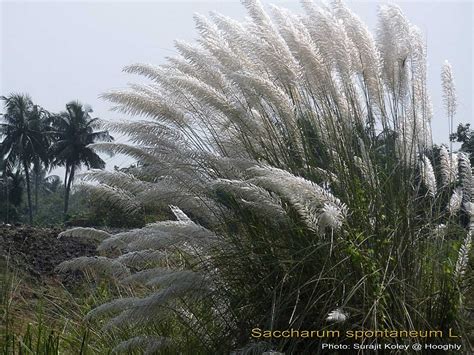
column 65, row 176
column 36, row 192
column 7, row 196
column 68, row 189
column 28, row 191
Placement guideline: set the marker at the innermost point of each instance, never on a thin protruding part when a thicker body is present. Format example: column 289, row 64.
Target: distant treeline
column 33, row 141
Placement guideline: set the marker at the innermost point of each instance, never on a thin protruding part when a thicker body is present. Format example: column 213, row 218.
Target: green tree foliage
column 74, row 130
column 11, row 195
column 34, row 141
column 465, row 135
column 50, row 193
column 25, row 140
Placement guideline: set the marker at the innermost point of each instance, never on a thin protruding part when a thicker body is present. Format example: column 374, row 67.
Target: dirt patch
column 38, row 250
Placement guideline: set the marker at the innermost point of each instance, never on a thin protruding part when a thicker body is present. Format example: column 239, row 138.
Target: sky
column 58, row 51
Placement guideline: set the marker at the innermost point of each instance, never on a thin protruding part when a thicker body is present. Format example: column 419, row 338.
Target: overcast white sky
column 58, row 51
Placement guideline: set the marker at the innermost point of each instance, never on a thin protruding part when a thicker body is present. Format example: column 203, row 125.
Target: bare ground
column 37, row 251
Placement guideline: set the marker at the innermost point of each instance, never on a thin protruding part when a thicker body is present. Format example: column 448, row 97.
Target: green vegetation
column 286, row 178
column 465, row 135
column 25, row 139
column 47, row 319
column 73, row 131
column 35, row 141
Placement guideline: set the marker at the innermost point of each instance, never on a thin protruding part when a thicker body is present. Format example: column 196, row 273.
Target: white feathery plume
column 405, row 147
column 157, row 240
column 143, row 132
column 428, row 176
column 337, row 316
column 229, row 168
column 330, row 216
column 404, row 61
column 440, row 231
column 313, row 67
column 161, row 236
column 148, row 309
column 454, row 160
column 367, row 55
column 231, row 51
column 205, row 94
column 142, row 277
column 139, row 103
column 165, row 193
column 455, row 201
column 180, row 276
column 98, row 264
column 271, row 46
column 262, row 88
column 449, row 90
column 120, row 240
column 449, row 95
column 448, row 166
column 86, row 233
column 317, row 206
column 253, row 197
column 115, row 197
column 114, row 306
column 465, row 249
column 421, row 101
column 393, row 35
column 123, row 319
column 139, row 153
column 171, row 233
column 364, row 163
column 331, row 38
column 141, row 258
column 465, row 176
column 164, row 101
column 147, row 70
column 179, row 214
column 463, row 256
column 204, row 65
column 469, row 208
column 164, row 277
column 116, row 180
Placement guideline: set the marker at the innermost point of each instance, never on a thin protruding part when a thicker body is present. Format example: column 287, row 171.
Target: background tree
column 24, row 138
column 12, row 184
column 74, row 130
column 464, row 135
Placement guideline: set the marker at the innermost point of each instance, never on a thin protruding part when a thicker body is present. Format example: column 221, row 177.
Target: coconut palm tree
column 11, row 182
column 46, row 183
column 24, row 138
column 73, row 132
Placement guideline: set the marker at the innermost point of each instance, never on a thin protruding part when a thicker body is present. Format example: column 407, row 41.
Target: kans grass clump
column 296, row 154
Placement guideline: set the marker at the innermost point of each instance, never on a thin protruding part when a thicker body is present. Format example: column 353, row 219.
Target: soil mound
column 38, row 250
